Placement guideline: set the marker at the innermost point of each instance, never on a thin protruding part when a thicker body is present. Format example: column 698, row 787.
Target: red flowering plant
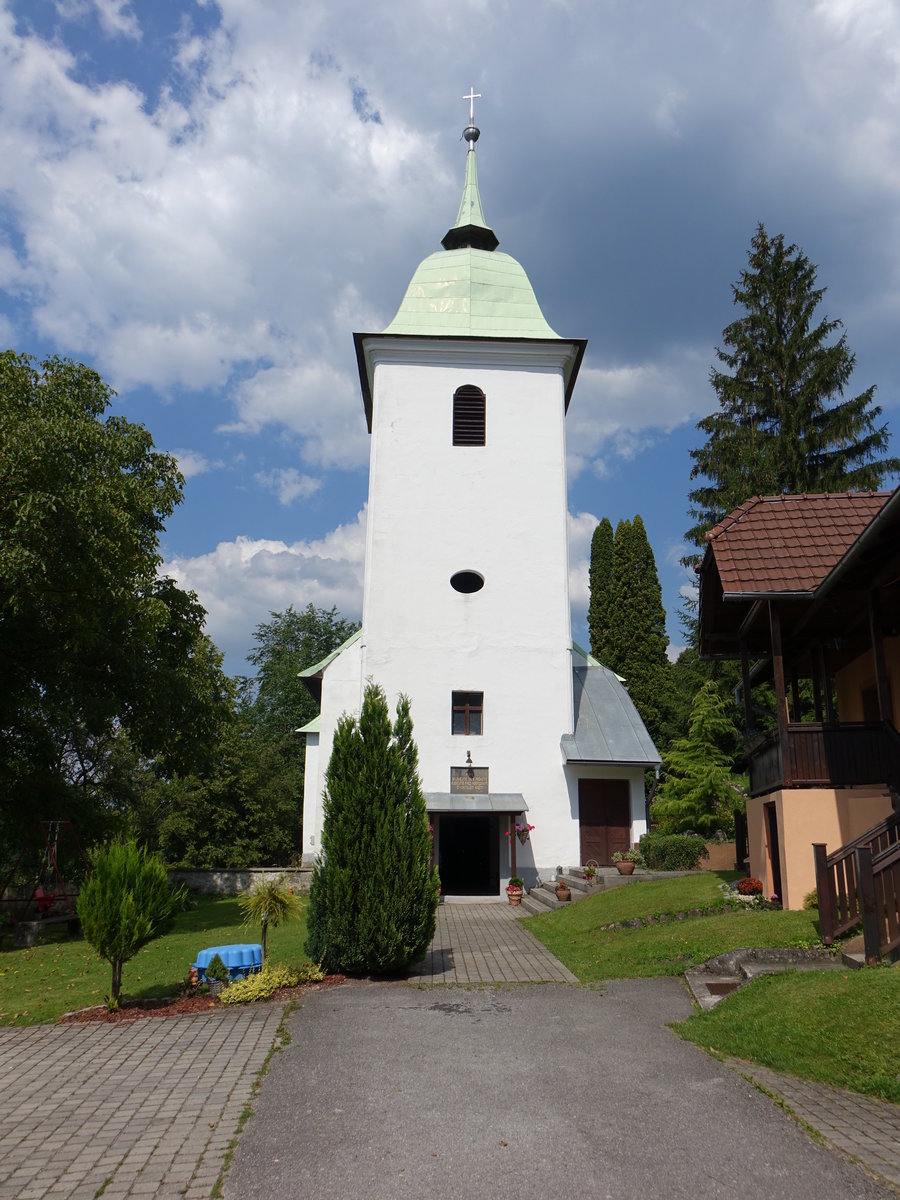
column 521, row 831
column 750, row 886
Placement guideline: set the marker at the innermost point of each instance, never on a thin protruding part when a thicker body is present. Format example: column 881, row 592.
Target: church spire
column 471, row 229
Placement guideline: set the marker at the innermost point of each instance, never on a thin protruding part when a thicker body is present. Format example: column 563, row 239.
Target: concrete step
column 532, row 907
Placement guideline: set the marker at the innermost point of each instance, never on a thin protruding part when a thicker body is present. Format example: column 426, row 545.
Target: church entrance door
column 604, row 814
column 469, row 859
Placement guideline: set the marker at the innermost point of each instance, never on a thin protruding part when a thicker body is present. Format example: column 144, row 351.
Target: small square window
column 467, row 712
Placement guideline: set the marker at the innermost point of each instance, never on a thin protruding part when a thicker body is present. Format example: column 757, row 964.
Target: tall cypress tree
column 637, row 637
column 782, row 425
column 600, row 581
column 374, row 892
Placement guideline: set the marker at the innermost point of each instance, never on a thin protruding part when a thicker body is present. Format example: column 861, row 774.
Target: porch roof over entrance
column 489, row 802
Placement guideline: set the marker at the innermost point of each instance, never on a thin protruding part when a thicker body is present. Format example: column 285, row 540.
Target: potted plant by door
column 627, row 860
column 514, row 890
column 563, row 891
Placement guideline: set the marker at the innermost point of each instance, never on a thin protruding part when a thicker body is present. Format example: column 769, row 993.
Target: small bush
column 811, row 899
column 673, row 851
column 750, row 886
column 216, row 971
column 264, row 984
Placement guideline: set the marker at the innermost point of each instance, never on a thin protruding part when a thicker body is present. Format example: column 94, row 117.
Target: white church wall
column 341, row 692
column 499, row 510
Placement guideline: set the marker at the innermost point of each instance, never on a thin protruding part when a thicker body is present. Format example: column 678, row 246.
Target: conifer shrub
column 673, row 851
column 126, row 903
column 374, row 893
column 216, row 971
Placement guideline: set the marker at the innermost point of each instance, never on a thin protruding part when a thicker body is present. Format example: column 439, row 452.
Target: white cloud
column 241, row 582
column 116, row 18
column 192, row 462
column 621, row 409
column 288, row 484
column 581, row 528
column 314, row 401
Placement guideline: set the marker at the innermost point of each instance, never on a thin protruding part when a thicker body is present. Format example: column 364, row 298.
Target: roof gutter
column 885, row 513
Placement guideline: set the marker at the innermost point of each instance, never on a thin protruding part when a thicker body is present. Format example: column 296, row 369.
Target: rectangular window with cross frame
column 467, row 713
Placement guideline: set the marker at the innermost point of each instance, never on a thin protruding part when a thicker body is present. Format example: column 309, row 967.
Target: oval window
column 467, row 582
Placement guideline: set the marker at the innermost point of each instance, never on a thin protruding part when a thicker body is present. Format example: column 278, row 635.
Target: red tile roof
column 771, row 545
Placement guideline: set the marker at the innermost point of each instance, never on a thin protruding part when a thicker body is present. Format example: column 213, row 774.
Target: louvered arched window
column 468, row 416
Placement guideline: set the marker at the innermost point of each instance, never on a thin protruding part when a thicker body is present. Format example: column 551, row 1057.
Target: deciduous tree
column 92, row 639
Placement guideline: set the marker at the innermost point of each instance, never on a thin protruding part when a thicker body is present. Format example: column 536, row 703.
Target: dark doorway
column 604, row 814
column 469, row 855
column 774, row 855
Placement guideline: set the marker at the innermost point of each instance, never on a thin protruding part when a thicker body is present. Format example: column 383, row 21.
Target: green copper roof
column 468, row 289
column 469, row 292
column 470, row 229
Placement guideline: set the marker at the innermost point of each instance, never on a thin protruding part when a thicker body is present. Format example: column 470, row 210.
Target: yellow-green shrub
column 264, row 984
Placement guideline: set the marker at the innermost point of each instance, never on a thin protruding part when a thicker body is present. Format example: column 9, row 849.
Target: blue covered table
column 240, row 960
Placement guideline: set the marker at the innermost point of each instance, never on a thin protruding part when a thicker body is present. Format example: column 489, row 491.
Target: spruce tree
column 374, row 892
column 698, row 792
column 600, row 580
column 782, row 425
column 637, row 630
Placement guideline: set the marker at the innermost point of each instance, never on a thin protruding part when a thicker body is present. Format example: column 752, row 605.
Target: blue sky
column 204, row 200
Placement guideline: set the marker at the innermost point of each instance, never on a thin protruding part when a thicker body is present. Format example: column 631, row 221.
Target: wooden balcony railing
column 860, row 883
column 820, row 755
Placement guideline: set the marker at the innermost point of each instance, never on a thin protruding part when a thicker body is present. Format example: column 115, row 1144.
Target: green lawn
column 838, row 1027
column 40, row 984
column 650, row 897
column 575, row 935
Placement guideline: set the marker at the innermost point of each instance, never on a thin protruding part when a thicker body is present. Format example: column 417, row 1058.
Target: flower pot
column 625, row 868
column 514, row 898
column 563, row 893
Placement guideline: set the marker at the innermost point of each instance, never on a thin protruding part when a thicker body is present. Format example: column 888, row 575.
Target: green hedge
column 673, row 851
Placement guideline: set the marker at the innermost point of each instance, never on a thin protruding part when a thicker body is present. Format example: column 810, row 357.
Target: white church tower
column 466, row 600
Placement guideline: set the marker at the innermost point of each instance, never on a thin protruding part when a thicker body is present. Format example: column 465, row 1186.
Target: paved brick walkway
column 485, row 943
column 867, row 1129
column 149, row 1106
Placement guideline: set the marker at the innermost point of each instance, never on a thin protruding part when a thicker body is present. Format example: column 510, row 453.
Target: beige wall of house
column 804, row 816
column 856, row 696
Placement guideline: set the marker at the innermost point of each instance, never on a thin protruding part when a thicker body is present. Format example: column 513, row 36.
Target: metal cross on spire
column 472, row 97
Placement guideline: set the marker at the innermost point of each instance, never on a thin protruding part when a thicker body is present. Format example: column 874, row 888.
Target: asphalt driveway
column 393, row 1091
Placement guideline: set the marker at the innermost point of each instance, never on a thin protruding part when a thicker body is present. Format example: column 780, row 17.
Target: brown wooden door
column 604, row 814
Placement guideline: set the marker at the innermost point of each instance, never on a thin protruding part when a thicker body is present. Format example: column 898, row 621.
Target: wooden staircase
column 860, row 884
